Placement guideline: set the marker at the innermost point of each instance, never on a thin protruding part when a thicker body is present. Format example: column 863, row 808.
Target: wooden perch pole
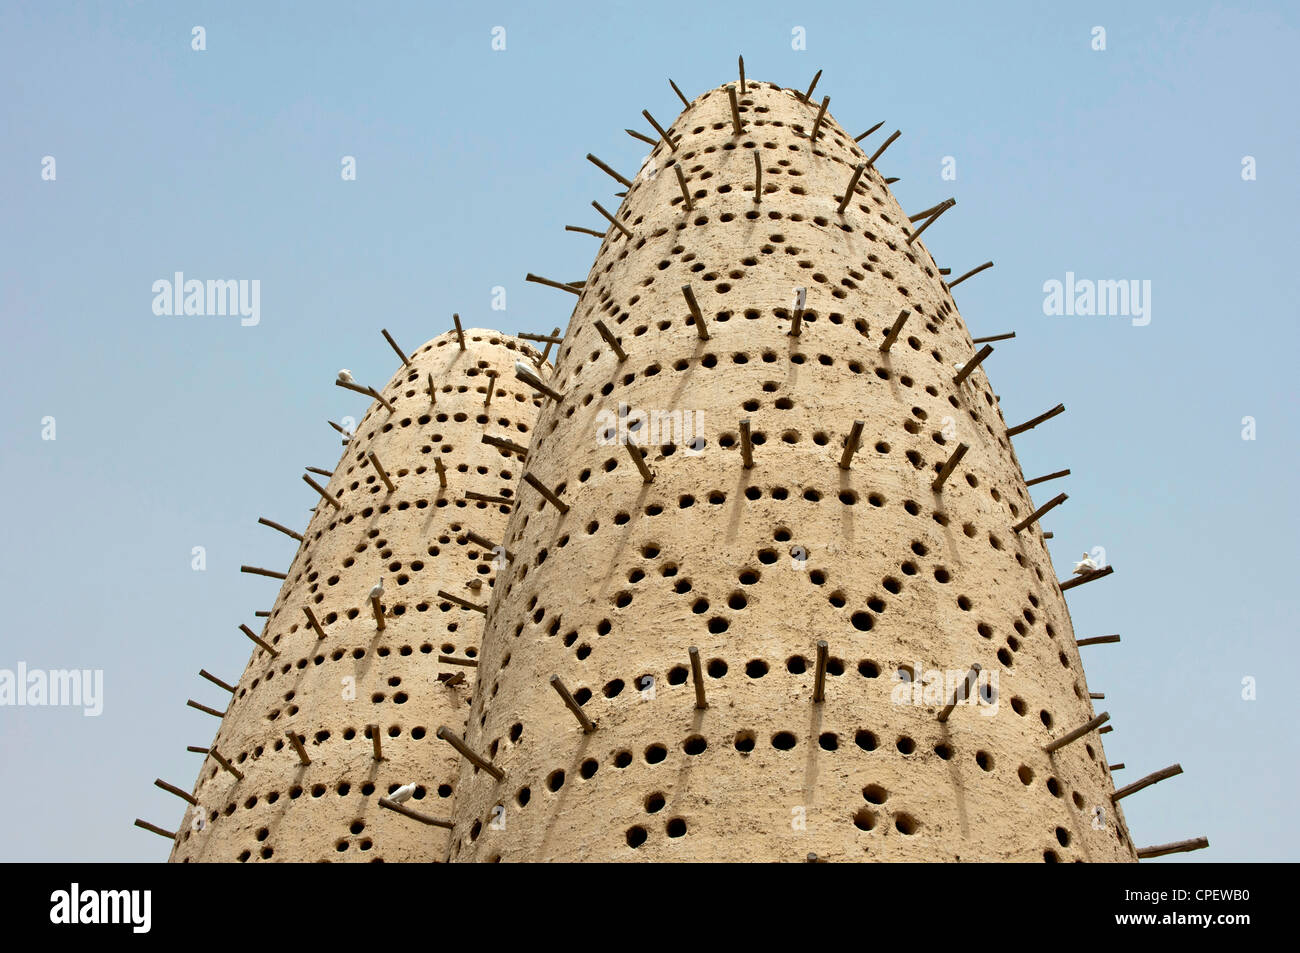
column 994, row 337
column 538, row 279
column 325, row 495
column 391, row 805
column 851, row 444
column 819, row 678
column 1031, row 424
column 256, row 638
column 659, row 129
column 377, row 608
column 538, row 385
column 885, row 145
column 635, row 453
column 546, row 493
column 686, row 193
column 949, row 465
column 1098, row 640
column 154, row 828
column 1051, row 476
column 736, row 128
column 612, row 220
column 474, row 537
column 691, row 303
column 205, row 709
column 393, row 344
column 463, row 603
column 588, row 726
column 1077, row 733
column 642, row 136
column 685, row 102
column 1080, row 580
column 943, row 207
column 379, row 469
column 283, row 529
column 894, row 331
column 869, row 131
column 446, row 734
column 1178, row 847
column 585, row 231
column 609, row 339
column 502, row 444
column 226, row 765
column 608, row 171
column 974, row 271
column 698, row 676
column 746, row 445
column 758, row 178
column 1038, row 513
column 204, row 673
column 377, row 745
column 817, row 123
column 173, row 789
column 973, row 363
column 853, row 184
column 256, row 571
column 961, row 692
column 297, row 746
column 811, row 86
column 1172, row 771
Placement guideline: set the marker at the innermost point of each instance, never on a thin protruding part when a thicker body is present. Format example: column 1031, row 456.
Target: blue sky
column 176, row 432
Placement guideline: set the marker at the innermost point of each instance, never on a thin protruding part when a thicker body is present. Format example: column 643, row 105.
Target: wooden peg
column 376, row 744
column 491, row 389
column 817, row 123
column 484, row 498
column 393, row 344
column 974, row 271
column 196, row 749
column 892, row 336
column 1080, row 580
column 698, row 676
column 1038, row 513
column 204, row 673
column 379, row 469
column 701, row 331
column 1150, row 779
column 488, row 544
column 347, row 435
column 891, row 181
column 853, row 184
column 746, row 445
column 297, row 746
column 205, row 709
column 851, row 444
column 325, row 495
column 585, row 231
column 1115, row 767
column 391, row 805
column 742, row 75
column 633, row 451
column 945, row 271
column 811, row 86
column 961, row 692
column 256, row 638
column 588, row 726
column 535, row 382
column 926, row 213
column 943, row 207
column 1098, row 640
column 686, row 193
column 262, row 614
column 226, row 765
column 377, row 608
column 1051, row 476
column 608, row 171
column 503, row 444
column 1077, row 733
column 1098, row 695
column 642, row 136
column 460, row 332
column 173, row 789
column 546, row 493
column 463, row 603
column 612, row 220
column 446, row 734
column 685, row 102
column 611, row 341
column 949, row 465
column 321, row 471
column 368, row 391
column 453, row 660
column 736, row 128
column 869, row 131
column 552, row 284
column 758, row 178
column 283, row 529
column 432, row 391
column 1031, row 424
column 451, row 681
column 973, row 363
column 994, row 337
column 1178, row 847
column 796, row 323
column 881, row 151
column 441, row 469
column 544, row 338
column 819, row 679
column 1102, row 731
column 154, row 828
column 659, row 129
column 255, row 571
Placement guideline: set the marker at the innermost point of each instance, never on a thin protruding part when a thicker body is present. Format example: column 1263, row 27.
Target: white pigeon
column 345, row 376
column 1085, row 565
column 522, row 369
column 402, row 794
column 958, row 366
column 800, row 297
column 378, row 591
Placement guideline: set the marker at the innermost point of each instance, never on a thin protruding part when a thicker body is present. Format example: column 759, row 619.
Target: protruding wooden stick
column 796, row 323
column 377, row 608
column 1150, row 779
column 1031, row 424
column 685, row 102
column 383, row 474
column 544, row 338
column 546, row 493
column 283, row 529
column 608, row 171
column 463, row 603
column 546, row 351
column 885, row 145
column 297, row 746
column 173, row 789
column 585, row 231
column 491, row 389
column 441, row 469
column 642, row 136
column 460, row 332
column 450, row 681
column 892, row 336
column 698, row 676
column 205, row 709
column 974, row 271
column 817, row 123
column 891, row 181
column 1096, row 694
column 588, row 726
column 961, row 693
column 226, row 765
column 609, row 339
column 369, row 392
column 1178, row 847
column 851, row 444
column 455, row 660
column 1077, row 733
column 196, row 749
column 257, row 571
column 1098, row 640
column 432, row 391
column 1038, row 513
column 994, row 337
column 949, row 465
column 944, row 206
column 1102, row 731
column 853, row 184
column 446, row 734
column 742, row 74
column 502, row 444
column 634, row 452
column 659, row 129
column 325, row 495
column 262, row 614
column 811, row 86
column 686, row 193
column 1051, row 476
column 1080, row 580
column 393, row 344
column 321, row 471
column 612, row 220
column 486, row 543
column 819, row 678
column 973, row 363
column 1115, row 767
column 258, row 639
column 484, row 498
column 376, row 744
column 204, row 673
column 691, row 303
column 154, row 828
column 536, row 383
column 736, row 128
column 758, row 178
column 926, row 213
column 346, row 434
column 869, row 131
column 552, row 284
column 405, row 811
column 746, row 445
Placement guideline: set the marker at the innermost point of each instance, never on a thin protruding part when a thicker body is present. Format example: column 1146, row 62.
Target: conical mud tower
column 743, row 649
column 341, row 706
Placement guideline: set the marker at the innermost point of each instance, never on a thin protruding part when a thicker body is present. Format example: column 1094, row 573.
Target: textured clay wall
column 329, row 690
column 756, row 566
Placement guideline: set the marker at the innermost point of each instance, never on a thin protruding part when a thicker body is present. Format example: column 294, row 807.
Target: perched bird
column 402, row 794
column 475, row 584
column 522, row 369
column 378, row 591
column 345, row 376
column 1085, row 565
column 958, row 366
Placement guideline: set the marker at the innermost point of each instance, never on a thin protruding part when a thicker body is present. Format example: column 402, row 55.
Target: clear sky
column 173, row 432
